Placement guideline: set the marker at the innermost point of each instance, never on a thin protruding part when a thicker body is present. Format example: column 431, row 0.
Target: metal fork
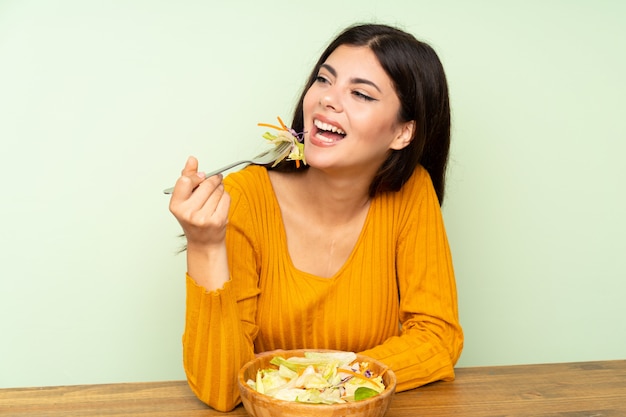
column 280, row 151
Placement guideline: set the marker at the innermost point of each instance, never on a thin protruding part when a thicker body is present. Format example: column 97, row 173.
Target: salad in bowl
column 319, row 377
column 315, row 382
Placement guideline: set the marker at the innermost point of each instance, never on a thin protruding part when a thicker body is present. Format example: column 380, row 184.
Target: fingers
column 206, row 197
column 188, row 181
column 200, row 205
column 193, row 191
column 215, row 189
column 221, row 209
column 206, row 192
column 195, row 199
column 193, row 195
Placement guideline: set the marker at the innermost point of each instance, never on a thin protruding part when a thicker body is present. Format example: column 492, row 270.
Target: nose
column 329, row 100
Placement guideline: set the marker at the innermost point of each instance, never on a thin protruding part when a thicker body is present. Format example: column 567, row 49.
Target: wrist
column 205, row 249
column 207, row 265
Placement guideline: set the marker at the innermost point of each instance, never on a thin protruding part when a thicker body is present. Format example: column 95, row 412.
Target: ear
column 405, row 135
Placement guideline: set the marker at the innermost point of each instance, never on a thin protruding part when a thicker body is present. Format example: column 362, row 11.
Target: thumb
column 191, row 166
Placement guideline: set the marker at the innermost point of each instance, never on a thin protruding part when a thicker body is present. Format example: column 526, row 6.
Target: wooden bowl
column 261, row 405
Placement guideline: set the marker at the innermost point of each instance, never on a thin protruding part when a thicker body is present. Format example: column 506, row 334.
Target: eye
column 321, row 79
column 362, row 96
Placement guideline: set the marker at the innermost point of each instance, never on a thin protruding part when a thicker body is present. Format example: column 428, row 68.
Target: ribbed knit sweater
column 394, row 299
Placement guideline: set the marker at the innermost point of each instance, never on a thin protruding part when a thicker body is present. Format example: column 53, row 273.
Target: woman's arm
column 220, row 312
column 431, row 337
column 216, row 343
column 201, row 207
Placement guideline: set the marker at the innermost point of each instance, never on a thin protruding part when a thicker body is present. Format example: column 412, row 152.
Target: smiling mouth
column 327, row 132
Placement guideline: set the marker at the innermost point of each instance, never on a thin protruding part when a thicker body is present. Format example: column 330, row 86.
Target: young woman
column 347, row 253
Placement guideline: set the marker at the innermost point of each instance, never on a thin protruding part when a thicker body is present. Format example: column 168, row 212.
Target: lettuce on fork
column 290, row 136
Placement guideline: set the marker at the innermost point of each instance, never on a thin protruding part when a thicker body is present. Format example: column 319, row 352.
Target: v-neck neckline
column 285, row 247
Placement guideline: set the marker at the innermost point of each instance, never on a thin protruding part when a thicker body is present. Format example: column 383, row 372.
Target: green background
column 101, row 102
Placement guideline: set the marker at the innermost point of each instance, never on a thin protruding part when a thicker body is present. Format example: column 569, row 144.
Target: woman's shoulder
column 415, row 202
column 415, row 196
column 249, row 180
column 420, row 175
column 418, row 186
column 250, row 192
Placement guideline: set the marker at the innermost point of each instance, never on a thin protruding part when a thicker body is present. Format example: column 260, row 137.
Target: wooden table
column 582, row 389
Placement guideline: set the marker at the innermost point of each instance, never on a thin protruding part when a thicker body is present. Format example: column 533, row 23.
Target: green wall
column 102, row 101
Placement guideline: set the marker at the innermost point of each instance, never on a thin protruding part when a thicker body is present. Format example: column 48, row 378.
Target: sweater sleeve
column 220, row 325
column 431, row 338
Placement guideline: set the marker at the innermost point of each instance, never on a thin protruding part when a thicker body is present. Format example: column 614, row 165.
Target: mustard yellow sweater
column 394, row 299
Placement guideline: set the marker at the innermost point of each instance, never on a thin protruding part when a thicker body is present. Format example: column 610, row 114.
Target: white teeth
column 324, row 139
column 329, row 127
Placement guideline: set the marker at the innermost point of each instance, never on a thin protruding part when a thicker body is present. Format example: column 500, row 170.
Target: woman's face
column 351, row 113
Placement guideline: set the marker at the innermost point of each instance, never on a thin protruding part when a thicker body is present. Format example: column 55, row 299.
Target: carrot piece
column 282, row 124
column 345, row 371
column 269, row 125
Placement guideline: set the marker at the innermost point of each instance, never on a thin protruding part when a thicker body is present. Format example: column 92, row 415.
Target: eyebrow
column 352, row 80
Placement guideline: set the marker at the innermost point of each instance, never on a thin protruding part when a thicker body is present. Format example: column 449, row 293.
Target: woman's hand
column 201, row 207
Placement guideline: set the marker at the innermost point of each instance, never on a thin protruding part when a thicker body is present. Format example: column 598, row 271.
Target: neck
column 335, row 199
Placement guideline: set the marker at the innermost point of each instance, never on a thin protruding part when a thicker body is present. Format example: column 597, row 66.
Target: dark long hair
column 421, row 86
